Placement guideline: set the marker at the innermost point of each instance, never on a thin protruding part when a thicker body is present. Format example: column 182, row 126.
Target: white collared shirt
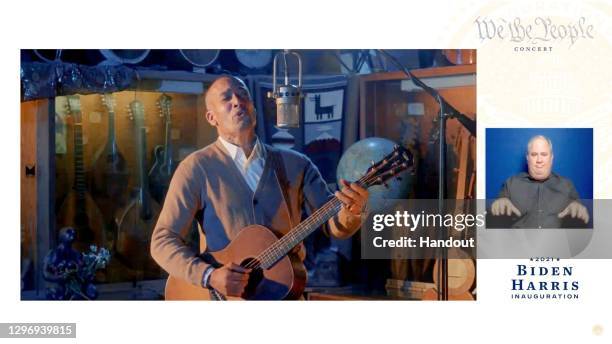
column 251, row 168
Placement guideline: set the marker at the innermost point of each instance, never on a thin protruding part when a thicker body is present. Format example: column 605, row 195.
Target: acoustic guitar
column 79, row 210
column 136, row 221
column 109, row 174
column 276, row 273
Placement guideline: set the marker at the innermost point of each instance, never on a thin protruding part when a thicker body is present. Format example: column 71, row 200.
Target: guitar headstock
column 394, row 163
column 136, row 111
column 73, row 104
column 61, row 106
column 164, row 103
column 108, row 100
column 73, row 108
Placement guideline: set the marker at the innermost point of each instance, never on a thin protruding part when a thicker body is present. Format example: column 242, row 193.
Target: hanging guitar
column 135, row 223
column 163, row 167
column 276, row 273
column 109, row 173
column 79, row 210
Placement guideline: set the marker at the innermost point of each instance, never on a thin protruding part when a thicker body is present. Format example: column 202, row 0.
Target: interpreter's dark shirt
column 539, row 202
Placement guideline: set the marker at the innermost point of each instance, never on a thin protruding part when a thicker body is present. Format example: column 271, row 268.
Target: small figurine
column 71, row 272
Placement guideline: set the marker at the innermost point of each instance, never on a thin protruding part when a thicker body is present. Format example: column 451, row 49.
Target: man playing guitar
column 239, row 181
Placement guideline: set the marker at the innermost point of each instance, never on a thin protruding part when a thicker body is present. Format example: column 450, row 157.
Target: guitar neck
column 111, row 144
column 143, row 179
column 167, row 164
column 390, row 166
column 79, row 168
column 299, row 233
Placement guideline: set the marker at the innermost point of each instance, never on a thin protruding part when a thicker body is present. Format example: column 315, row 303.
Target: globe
column 355, row 162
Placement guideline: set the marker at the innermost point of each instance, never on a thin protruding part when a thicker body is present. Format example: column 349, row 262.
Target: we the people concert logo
column 539, row 34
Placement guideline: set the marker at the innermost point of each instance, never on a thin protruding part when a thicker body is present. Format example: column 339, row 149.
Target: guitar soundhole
column 255, row 277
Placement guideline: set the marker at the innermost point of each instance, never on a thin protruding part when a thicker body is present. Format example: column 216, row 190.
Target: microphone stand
column 446, row 111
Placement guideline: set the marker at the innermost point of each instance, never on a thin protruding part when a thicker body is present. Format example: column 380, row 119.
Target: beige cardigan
column 209, row 180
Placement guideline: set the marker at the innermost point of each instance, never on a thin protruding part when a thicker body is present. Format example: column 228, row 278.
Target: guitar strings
column 318, row 215
column 275, row 253
column 272, row 251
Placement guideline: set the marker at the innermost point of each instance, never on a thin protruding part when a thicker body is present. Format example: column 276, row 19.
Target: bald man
column 239, row 181
column 539, row 198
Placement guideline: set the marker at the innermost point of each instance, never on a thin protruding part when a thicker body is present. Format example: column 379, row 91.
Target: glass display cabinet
column 100, row 163
column 392, row 106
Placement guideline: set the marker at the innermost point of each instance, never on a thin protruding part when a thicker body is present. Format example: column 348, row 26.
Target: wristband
column 206, row 277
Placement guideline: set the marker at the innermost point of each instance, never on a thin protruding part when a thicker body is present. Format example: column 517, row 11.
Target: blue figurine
column 71, row 272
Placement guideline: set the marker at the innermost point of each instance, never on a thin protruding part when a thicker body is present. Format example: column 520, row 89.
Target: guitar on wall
column 276, row 272
column 136, row 221
column 79, row 210
column 109, row 174
column 163, row 167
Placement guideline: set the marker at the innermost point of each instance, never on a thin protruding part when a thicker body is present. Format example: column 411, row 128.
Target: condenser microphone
column 288, row 97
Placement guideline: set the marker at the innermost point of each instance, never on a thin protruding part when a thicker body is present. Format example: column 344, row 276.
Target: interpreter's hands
column 230, row 280
column 576, row 210
column 353, row 196
column 503, row 206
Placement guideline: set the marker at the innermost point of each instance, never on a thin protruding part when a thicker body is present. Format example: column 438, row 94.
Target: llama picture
column 322, row 110
column 323, row 105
